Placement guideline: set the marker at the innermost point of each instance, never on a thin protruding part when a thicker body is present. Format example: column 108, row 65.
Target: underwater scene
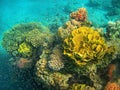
column 59, row 45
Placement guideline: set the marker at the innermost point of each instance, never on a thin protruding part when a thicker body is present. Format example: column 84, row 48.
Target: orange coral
column 112, row 86
column 80, row 15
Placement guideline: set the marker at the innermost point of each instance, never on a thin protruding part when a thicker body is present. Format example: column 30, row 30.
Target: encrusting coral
column 65, row 61
column 86, row 45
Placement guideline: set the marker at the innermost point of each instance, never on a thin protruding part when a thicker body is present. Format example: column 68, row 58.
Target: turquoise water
column 49, row 13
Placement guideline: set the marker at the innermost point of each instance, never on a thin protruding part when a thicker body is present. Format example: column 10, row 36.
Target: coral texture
column 38, row 38
column 80, row 15
column 25, row 49
column 17, row 35
column 77, row 86
column 55, row 79
column 86, row 45
column 56, row 62
column 113, row 35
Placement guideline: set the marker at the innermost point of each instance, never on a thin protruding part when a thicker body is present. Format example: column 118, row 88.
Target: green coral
column 25, row 49
column 85, row 46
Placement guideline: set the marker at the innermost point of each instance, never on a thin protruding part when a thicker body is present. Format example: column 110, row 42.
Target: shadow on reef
column 78, row 56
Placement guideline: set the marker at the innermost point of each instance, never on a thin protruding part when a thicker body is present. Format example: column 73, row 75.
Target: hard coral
column 51, row 79
column 80, row 15
column 38, row 38
column 16, row 35
column 112, row 86
column 113, row 35
column 85, row 45
column 56, row 63
column 77, row 19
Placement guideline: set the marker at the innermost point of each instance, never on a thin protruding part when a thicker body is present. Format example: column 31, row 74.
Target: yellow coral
column 25, row 49
column 77, row 86
column 86, row 45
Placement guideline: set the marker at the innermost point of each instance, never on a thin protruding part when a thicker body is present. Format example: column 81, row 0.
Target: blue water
column 47, row 12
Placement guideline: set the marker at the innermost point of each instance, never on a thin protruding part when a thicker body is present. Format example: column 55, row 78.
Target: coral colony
column 60, row 60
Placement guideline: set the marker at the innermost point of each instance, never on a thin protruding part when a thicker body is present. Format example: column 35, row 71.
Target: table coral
column 86, row 45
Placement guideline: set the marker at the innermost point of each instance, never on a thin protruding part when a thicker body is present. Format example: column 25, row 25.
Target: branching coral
column 85, row 45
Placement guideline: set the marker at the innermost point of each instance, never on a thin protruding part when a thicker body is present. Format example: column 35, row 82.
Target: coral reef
column 77, row 57
column 80, row 15
column 74, row 23
column 49, row 78
column 85, row 45
column 14, row 38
